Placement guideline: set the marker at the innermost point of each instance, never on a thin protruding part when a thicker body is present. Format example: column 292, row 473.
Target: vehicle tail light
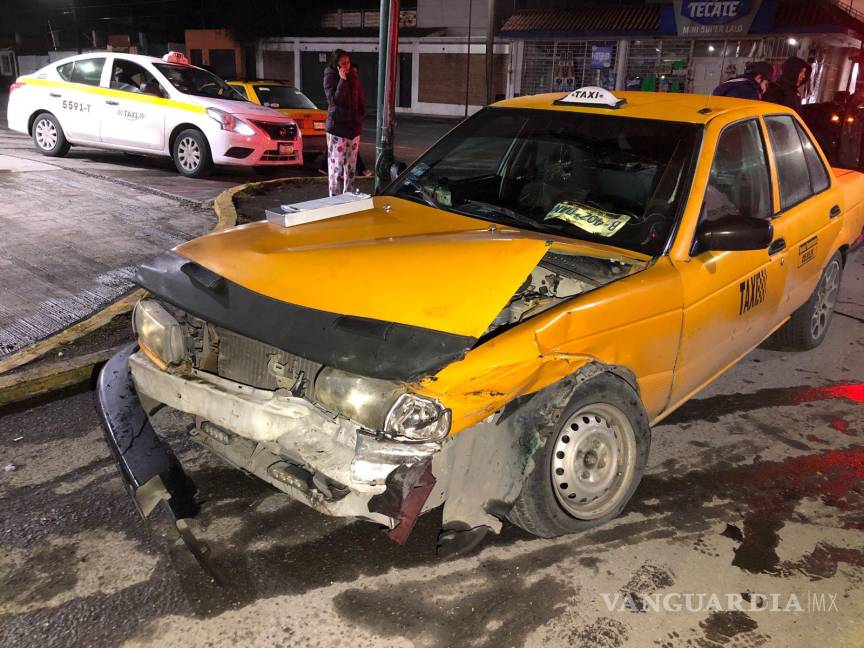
column 835, row 118
column 849, row 120
column 15, row 86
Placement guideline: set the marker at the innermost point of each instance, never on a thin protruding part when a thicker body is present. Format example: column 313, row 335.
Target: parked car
column 147, row 105
column 501, row 327
column 838, row 126
column 292, row 103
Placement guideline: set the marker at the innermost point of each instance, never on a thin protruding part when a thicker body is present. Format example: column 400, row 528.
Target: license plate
column 286, row 149
column 319, row 125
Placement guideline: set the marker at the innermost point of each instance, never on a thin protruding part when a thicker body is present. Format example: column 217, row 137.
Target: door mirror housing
column 733, row 234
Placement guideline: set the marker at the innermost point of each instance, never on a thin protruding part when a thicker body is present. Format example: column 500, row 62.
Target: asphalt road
column 754, row 490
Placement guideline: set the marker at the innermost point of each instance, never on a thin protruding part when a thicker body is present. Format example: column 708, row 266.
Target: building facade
column 655, row 47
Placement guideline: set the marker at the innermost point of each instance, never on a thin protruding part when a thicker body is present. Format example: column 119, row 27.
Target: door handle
column 112, row 103
column 835, row 211
column 777, row 246
column 56, row 95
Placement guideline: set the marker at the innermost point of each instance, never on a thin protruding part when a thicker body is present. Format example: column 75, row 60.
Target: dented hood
column 396, row 262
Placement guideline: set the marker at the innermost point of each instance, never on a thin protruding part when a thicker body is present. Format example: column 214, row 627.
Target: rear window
column 87, row 71
column 280, row 96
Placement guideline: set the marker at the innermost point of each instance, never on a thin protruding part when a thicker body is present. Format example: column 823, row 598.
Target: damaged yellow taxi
column 497, row 331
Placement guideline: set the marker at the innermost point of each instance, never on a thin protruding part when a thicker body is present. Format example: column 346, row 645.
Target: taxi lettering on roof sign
column 592, row 96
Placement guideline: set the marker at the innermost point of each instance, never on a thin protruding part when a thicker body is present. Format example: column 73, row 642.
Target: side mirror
column 396, row 169
column 734, row 233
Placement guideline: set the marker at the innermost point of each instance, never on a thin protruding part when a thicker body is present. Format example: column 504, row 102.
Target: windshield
column 276, row 96
column 615, row 180
column 195, row 81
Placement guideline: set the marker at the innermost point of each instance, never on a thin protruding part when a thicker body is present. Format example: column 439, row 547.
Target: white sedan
column 153, row 106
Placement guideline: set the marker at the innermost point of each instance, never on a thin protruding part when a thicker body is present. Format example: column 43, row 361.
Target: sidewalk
column 70, row 244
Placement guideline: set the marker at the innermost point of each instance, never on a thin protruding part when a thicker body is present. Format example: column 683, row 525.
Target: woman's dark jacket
column 785, row 90
column 345, row 109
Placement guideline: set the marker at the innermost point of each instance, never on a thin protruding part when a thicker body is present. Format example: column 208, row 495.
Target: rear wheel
column 808, row 325
column 191, row 154
column 48, row 136
column 591, row 464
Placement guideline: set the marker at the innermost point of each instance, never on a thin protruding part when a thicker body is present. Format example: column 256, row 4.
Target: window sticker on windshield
column 419, row 170
column 442, row 195
column 590, row 219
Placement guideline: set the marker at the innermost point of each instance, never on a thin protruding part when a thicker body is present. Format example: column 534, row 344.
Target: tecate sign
column 715, row 12
column 708, row 18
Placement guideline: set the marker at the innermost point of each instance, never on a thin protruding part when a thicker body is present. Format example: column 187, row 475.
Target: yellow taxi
column 499, row 329
column 292, row 103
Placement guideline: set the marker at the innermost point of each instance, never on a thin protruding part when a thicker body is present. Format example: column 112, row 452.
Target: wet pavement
column 755, row 491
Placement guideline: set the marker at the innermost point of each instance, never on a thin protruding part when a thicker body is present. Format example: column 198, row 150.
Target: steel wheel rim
column 46, row 134
column 593, row 461
column 189, row 154
column 826, row 298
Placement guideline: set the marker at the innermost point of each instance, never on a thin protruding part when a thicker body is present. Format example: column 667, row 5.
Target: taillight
column 15, row 86
column 849, row 120
column 835, row 118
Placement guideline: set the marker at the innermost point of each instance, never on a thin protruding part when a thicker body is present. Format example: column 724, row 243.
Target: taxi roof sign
column 591, row 96
column 176, row 57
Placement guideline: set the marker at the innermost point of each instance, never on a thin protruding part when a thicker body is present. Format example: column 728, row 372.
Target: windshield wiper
column 508, row 213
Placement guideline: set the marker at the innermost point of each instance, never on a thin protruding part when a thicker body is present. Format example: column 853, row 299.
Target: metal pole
column 468, row 58
column 390, row 88
column 490, row 53
column 383, row 34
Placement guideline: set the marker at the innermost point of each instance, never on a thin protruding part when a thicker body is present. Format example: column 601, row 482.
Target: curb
column 59, row 375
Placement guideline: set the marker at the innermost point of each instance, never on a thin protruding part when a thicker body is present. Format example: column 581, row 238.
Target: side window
column 129, row 76
column 88, row 71
column 241, row 90
column 65, row 71
column 792, row 174
column 739, row 184
column 818, row 175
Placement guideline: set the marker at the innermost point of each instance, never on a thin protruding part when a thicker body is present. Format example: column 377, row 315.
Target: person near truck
column 750, row 85
column 345, row 111
column 794, row 74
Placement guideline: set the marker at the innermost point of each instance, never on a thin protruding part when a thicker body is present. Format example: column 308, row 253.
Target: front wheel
column 48, row 136
column 591, row 464
column 808, row 325
column 191, row 154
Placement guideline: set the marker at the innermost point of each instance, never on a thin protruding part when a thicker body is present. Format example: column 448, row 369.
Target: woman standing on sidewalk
column 345, row 113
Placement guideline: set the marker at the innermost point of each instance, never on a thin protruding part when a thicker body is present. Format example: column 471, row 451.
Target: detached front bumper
column 318, row 459
column 150, row 470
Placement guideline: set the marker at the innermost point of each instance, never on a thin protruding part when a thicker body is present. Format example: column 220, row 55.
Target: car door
column 133, row 114
column 730, row 298
column 78, row 100
column 808, row 220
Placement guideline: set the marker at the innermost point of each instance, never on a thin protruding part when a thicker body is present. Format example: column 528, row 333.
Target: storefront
column 683, row 46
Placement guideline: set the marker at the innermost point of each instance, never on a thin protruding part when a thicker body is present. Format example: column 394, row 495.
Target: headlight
column 382, row 405
column 415, row 418
column 229, row 122
column 158, row 332
column 365, row 400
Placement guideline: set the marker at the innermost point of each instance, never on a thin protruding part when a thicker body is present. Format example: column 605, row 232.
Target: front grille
column 243, row 360
column 278, row 131
column 250, row 362
column 273, row 156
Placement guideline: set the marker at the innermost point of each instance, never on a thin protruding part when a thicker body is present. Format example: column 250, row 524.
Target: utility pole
column 388, row 59
column 490, row 53
column 468, row 59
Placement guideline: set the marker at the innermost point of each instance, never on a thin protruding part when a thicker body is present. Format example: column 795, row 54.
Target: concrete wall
column 215, row 39
column 442, row 78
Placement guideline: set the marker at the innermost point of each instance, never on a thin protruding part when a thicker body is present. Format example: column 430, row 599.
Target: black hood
column 791, row 68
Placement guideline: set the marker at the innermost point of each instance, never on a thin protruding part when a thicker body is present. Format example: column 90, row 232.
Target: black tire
column 809, row 325
column 48, row 136
column 191, row 154
column 539, row 509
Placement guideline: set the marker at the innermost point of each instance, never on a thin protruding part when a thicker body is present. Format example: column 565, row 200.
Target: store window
column 658, row 65
column 562, row 66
